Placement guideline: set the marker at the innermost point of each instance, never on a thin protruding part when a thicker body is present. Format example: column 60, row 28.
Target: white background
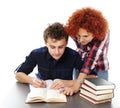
column 21, row 30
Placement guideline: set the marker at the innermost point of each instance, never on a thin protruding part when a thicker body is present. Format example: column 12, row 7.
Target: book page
column 48, row 83
column 45, row 94
column 55, row 96
column 36, row 94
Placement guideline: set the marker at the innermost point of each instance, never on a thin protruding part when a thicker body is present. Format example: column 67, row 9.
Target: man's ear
column 45, row 43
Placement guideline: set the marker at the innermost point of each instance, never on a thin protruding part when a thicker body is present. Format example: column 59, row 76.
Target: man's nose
column 56, row 51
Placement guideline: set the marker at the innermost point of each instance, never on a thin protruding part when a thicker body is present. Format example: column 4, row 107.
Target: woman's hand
column 71, row 89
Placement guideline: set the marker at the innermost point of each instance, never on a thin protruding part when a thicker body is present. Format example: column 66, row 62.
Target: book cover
column 99, row 83
column 94, row 101
column 96, row 97
column 96, row 92
column 45, row 94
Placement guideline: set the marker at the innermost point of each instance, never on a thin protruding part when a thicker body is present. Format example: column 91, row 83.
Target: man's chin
column 56, row 58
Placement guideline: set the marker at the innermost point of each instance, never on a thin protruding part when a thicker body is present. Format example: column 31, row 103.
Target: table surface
column 17, row 96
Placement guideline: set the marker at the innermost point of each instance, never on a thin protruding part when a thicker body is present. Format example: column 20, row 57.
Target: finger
column 56, row 85
column 40, row 83
column 92, row 76
column 53, row 86
column 71, row 93
column 65, row 91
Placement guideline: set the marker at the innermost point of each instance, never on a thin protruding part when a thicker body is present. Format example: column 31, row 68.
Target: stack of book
column 97, row 90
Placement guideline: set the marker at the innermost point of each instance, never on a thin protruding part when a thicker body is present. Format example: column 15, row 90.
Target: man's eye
column 52, row 47
column 61, row 47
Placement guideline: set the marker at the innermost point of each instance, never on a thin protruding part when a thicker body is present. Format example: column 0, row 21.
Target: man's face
column 84, row 36
column 55, row 47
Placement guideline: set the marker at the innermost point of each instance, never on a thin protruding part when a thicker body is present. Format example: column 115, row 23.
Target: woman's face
column 84, row 37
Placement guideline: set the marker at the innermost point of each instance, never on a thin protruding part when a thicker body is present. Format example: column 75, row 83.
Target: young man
column 54, row 61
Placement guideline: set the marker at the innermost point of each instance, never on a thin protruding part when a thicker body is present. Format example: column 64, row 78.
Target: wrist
column 79, row 81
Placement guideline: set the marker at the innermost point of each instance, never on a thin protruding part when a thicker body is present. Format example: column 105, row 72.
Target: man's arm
column 23, row 78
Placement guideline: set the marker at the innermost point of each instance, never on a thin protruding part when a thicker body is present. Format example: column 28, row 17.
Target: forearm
column 76, row 84
column 23, row 78
column 82, row 76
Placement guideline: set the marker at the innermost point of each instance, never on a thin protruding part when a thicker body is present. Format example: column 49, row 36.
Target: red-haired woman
column 89, row 29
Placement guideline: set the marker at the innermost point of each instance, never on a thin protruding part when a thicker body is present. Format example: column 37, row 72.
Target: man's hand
column 61, row 84
column 38, row 83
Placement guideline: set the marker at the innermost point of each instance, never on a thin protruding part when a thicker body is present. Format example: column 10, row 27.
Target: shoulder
column 71, row 51
column 73, row 56
column 39, row 50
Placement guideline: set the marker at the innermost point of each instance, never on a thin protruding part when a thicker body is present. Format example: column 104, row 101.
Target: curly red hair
column 89, row 19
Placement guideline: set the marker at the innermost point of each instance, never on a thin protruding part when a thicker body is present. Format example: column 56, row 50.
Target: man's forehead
column 56, row 40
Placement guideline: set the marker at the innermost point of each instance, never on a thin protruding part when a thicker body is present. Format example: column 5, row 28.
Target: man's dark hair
column 55, row 31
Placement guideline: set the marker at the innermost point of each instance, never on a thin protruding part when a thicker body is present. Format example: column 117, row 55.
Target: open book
column 45, row 94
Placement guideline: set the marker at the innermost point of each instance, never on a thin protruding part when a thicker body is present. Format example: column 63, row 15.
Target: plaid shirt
column 94, row 55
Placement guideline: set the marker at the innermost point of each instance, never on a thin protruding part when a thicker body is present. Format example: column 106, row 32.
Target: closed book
column 99, row 83
column 94, row 101
column 96, row 92
column 96, row 97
